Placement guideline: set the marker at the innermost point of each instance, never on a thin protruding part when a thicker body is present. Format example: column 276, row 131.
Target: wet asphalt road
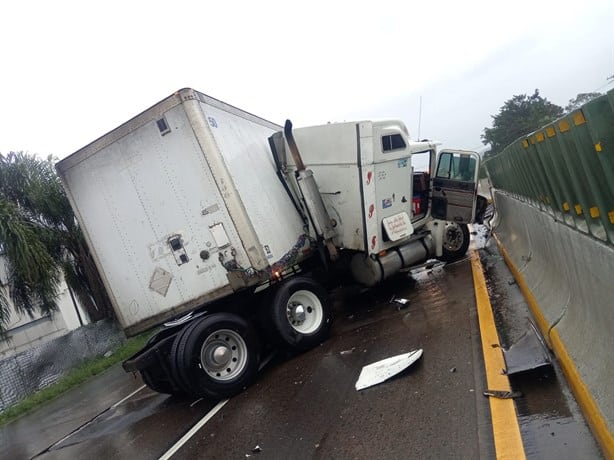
column 306, row 406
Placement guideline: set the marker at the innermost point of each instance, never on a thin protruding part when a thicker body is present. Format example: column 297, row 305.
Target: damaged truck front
column 221, row 227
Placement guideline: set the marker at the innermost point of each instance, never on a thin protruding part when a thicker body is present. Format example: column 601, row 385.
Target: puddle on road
column 551, row 423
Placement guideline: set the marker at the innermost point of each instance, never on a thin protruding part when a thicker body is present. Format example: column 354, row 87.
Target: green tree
column 519, row 116
column 580, row 100
column 41, row 241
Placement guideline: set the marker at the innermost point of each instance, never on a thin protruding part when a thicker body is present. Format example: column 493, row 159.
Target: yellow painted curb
column 506, row 431
column 589, row 407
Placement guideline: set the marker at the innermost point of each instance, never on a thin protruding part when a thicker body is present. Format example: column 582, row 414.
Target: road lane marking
column 128, row 397
column 89, row 422
column 506, row 431
column 186, row 437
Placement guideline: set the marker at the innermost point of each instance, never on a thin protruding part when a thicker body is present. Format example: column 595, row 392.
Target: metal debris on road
column 453, row 370
column 502, row 394
column 347, row 352
column 381, row 371
column 400, row 301
column 256, row 449
column 528, row 353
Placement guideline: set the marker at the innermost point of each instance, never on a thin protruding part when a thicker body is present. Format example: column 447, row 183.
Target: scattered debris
column 500, row 394
column 474, row 233
column 108, row 354
column 453, row 370
column 256, row 449
column 511, row 282
column 381, row 371
column 400, row 301
column 347, row 352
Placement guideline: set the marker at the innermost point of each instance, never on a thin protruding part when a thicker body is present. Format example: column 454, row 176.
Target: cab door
column 455, row 186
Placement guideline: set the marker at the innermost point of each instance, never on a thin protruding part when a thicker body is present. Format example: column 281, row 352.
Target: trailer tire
column 301, row 314
column 455, row 241
column 216, row 356
column 158, row 384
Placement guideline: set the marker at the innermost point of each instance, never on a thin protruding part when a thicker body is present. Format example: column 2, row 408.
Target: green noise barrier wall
column 566, row 168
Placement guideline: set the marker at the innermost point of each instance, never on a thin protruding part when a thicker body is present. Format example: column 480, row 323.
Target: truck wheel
column 157, row 383
column 301, row 314
column 455, row 241
column 216, row 356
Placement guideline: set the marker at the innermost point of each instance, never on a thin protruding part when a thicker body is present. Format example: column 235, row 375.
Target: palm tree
column 41, row 242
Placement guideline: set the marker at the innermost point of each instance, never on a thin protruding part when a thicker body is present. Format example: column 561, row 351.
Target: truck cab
column 379, row 204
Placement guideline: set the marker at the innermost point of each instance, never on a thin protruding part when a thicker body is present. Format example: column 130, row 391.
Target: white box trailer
column 182, row 205
column 203, row 214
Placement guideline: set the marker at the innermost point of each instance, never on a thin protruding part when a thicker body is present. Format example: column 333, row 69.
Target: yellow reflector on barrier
column 611, row 216
column 550, row 132
column 540, row 137
column 598, row 147
column 594, row 212
column 525, row 144
column 578, row 118
column 578, row 209
column 566, row 206
column 532, row 140
column 564, row 126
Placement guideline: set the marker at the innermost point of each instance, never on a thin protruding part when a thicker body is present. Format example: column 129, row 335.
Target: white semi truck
column 222, row 228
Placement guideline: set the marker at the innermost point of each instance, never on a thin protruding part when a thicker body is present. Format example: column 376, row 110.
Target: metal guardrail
column 566, row 168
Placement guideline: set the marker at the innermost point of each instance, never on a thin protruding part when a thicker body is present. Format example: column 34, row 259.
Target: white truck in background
column 223, row 228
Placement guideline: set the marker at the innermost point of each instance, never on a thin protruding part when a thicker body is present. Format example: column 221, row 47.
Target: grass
column 75, row 377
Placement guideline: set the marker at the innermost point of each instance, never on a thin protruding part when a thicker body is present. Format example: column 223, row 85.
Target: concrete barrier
column 568, row 280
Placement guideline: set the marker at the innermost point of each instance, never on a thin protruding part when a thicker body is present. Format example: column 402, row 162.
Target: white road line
column 127, row 397
column 89, row 422
column 186, row 437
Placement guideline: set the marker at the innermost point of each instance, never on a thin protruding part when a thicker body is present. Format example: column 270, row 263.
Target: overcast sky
column 72, row 71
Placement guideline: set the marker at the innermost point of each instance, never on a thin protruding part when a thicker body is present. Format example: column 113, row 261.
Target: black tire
column 455, row 241
column 216, row 356
column 158, row 383
column 300, row 313
column 175, row 361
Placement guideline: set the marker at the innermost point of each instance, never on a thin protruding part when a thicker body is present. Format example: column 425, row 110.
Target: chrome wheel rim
column 304, row 312
column 223, row 355
column 452, row 237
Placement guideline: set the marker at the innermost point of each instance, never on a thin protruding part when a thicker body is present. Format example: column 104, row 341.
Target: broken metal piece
column 500, row 394
column 381, row 371
column 528, row 353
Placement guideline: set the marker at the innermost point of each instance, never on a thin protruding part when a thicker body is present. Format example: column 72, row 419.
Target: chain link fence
column 38, row 367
